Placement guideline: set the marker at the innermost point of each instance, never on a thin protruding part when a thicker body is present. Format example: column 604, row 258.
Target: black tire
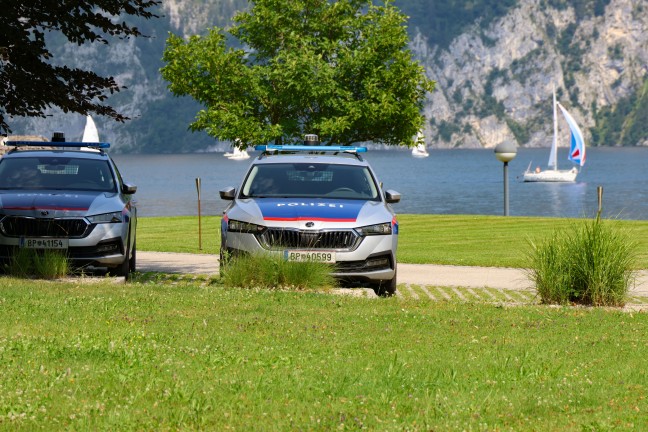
column 133, row 259
column 124, row 269
column 386, row 288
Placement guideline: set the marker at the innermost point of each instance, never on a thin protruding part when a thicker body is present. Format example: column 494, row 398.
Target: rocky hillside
column 495, row 84
column 494, row 74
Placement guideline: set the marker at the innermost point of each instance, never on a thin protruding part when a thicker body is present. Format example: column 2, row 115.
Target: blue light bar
column 96, row 145
column 306, row 148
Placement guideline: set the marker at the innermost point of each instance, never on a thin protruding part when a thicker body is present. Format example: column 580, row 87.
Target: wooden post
column 199, row 221
column 599, row 191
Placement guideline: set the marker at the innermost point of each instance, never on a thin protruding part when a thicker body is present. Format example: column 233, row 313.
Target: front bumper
column 104, row 246
column 373, row 259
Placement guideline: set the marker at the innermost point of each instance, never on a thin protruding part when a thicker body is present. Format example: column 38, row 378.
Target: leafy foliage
column 31, row 79
column 341, row 70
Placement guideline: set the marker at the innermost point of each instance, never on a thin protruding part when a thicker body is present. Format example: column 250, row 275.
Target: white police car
column 69, row 197
column 319, row 203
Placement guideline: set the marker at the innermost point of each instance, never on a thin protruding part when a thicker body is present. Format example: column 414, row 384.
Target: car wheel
column 133, row 259
column 386, row 288
column 124, row 269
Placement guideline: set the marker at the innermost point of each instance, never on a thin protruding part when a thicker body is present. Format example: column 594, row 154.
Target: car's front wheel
column 133, row 259
column 124, row 269
column 386, row 288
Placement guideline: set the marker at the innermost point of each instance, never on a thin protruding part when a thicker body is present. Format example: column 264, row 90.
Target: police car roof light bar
column 309, row 148
column 94, row 145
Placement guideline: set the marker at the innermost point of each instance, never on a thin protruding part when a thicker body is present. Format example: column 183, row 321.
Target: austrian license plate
column 305, row 255
column 43, row 243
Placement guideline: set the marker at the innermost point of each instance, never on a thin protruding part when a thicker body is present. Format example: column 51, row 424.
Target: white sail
column 577, row 145
column 90, row 133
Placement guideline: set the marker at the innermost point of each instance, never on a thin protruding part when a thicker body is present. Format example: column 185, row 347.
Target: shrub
column 271, row 271
column 591, row 264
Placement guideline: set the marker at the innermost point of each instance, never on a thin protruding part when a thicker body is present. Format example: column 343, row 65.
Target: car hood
column 321, row 212
column 57, row 203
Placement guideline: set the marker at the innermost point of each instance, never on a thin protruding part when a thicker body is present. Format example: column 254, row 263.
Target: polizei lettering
column 329, row 205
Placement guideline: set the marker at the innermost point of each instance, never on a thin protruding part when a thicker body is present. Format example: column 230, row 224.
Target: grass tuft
column 269, row 271
column 47, row 264
column 592, row 264
column 21, row 263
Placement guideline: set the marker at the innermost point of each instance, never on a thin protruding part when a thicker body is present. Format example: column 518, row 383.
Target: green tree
column 339, row 69
column 30, row 79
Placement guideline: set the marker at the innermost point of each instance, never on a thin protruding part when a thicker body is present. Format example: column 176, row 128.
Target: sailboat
column 90, row 133
column 419, row 150
column 237, row 154
column 576, row 152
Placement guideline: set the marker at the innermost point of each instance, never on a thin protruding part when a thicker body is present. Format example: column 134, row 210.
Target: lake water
column 447, row 182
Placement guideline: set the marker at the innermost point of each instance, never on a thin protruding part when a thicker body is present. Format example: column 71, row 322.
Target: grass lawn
column 184, row 352
column 495, row 241
column 176, row 354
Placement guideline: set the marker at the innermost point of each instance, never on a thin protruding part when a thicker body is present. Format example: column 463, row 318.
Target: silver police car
column 69, row 197
column 318, row 203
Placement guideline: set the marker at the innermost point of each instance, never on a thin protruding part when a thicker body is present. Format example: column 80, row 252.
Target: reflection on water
column 560, row 196
column 447, row 182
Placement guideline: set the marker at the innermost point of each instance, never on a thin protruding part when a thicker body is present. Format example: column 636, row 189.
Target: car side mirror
column 128, row 189
column 392, row 196
column 228, row 193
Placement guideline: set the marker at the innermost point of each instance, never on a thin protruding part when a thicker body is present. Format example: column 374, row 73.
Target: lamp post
column 505, row 152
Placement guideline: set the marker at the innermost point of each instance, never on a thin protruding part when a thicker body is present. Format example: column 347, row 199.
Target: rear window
column 312, row 180
column 60, row 173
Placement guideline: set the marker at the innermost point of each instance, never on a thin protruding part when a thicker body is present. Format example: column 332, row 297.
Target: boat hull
column 420, row 152
column 551, row 176
column 238, row 157
column 237, row 154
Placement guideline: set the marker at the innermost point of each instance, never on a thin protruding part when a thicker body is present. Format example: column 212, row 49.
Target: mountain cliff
column 495, row 63
column 495, row 83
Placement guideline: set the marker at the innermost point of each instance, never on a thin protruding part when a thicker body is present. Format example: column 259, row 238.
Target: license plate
column 300, row 256
column 43, row 243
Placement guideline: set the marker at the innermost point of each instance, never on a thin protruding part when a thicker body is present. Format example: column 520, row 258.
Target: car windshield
column 60, row 173
column 312, row 180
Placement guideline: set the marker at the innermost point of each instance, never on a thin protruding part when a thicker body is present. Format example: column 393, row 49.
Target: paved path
column 418, row 274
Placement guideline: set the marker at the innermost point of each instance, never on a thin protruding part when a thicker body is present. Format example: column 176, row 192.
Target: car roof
column 305, row 158
column 77, row 154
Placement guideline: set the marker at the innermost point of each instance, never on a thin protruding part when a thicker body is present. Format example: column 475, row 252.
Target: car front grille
column 18, row 226
column 280, row 238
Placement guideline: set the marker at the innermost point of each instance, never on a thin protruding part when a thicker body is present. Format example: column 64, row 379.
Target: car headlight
column 244, row 227
column 114, row 217
column 379, row 229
